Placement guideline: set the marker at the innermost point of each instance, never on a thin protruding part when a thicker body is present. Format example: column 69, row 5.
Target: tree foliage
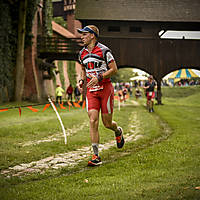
column 123, row 75
column 71, row 70
column 8, row 43
column 47, row 17
column 60, row 21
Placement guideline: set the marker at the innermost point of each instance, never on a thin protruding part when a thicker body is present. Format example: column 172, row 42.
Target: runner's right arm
column 82, row 80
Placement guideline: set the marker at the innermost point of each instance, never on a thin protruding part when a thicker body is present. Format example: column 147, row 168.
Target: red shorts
column 102, row 99
column 150, row 95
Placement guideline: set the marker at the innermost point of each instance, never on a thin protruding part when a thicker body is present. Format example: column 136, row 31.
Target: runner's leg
column 94, row 134
column 152, row 103
column 148, row 104
column 108, row 122
column 107, row 104
column 94, row 124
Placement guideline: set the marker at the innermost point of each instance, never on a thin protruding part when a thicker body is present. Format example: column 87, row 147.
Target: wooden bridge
column 55, row 48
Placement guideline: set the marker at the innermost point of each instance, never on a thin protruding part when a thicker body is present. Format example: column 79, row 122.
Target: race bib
column 150, row 94
column 96, row 88
column 90, row 74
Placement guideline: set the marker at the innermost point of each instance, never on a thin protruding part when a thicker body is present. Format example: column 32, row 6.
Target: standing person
column 98, row 65
column 77, row 94
column 150, row 94
column 69, row 92
column 59, row 93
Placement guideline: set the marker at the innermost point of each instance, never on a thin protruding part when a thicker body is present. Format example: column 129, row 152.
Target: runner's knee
column 107, row 124
column 93, row 121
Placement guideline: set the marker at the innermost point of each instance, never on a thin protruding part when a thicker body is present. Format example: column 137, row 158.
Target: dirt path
column 70, row 159
column 58, row 136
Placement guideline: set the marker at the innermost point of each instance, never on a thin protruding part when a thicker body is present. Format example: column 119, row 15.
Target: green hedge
column 48, row 16
column 8, row 44
column 71, row 70
column 9, row 11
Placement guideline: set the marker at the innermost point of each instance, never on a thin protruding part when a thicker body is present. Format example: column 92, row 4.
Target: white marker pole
column 63, row 128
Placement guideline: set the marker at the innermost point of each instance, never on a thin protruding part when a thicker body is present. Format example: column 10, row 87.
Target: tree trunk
column 19, row 79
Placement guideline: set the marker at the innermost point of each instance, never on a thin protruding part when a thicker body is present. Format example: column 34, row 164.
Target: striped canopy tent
column 183, row 74
column 139, row 78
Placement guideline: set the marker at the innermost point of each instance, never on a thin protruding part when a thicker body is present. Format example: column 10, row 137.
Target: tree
column 123, row 75
column 19, row 80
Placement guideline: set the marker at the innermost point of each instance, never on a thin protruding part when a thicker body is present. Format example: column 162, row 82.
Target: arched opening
column 132, row 80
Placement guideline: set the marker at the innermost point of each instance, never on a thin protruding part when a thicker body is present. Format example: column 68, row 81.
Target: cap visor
column 82, row 31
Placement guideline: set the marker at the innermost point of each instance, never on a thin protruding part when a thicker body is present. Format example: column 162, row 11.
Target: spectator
column 77, row 94
column 59, row 93
column 69, row 92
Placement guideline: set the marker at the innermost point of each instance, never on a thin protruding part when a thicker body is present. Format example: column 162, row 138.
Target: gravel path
column 70, row 159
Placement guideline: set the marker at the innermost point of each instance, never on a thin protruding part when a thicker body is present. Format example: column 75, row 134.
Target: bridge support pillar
column 159, row 93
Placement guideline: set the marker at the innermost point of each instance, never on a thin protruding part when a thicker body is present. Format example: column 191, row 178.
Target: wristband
column 100, row 77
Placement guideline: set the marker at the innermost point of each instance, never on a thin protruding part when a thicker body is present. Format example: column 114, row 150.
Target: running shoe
column 96, row 160
column 120, row 138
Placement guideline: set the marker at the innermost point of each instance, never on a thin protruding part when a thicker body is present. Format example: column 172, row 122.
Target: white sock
column 95, row 147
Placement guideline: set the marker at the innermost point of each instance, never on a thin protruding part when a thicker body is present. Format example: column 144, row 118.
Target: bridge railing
column 58, row 45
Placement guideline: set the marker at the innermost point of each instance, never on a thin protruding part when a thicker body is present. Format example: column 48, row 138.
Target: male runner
column 98, row 65
column 150, row 94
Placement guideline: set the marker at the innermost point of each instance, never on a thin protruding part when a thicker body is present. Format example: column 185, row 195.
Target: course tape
column 78, row 104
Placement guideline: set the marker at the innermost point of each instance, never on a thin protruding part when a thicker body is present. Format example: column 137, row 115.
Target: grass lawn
column 162, row 164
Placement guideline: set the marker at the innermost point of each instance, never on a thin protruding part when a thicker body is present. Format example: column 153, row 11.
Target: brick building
column 38, row 83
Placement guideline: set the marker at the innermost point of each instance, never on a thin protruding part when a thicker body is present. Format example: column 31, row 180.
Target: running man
column 150, row 94
column 98, row 65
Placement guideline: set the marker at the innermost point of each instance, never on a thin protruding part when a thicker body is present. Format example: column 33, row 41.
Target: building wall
column 37, row 88
column 73, row 24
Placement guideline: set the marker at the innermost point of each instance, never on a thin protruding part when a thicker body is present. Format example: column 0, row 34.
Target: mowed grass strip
column 37, row 126
column 33, row 127
column 168, row 169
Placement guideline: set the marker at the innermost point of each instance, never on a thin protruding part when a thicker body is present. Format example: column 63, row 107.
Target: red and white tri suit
column 100, row 96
